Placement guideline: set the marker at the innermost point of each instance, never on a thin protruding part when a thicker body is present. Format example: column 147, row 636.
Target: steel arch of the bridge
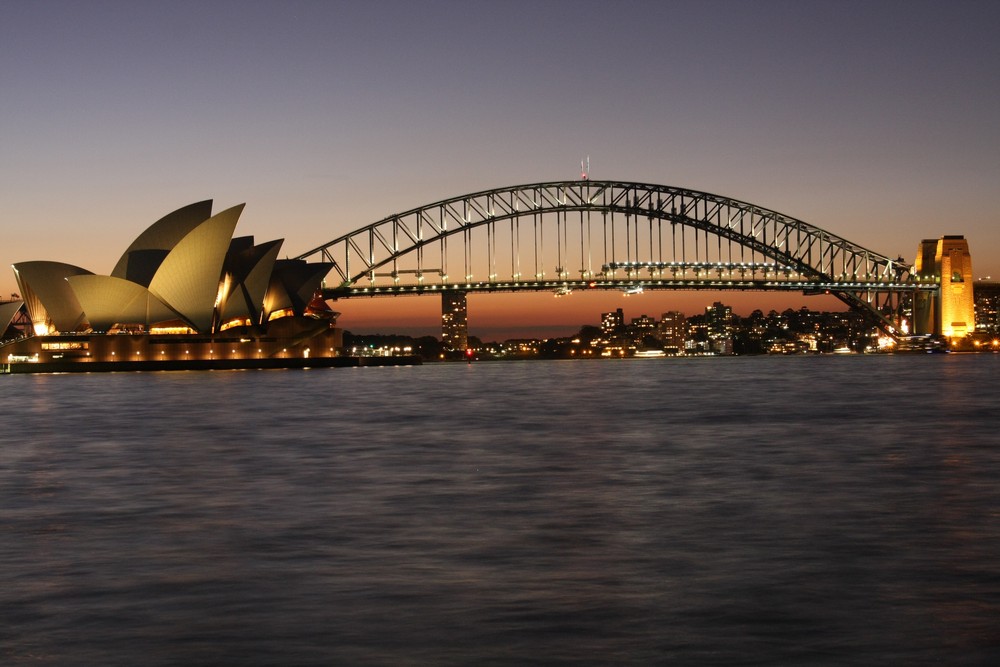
column 617, row 228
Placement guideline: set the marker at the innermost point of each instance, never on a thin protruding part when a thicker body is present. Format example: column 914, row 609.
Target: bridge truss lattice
column 587, row 234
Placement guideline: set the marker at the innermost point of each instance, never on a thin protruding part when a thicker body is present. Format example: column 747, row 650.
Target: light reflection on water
column 713, row 511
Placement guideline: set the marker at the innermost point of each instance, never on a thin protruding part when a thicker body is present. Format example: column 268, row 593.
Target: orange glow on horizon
column 500, row 316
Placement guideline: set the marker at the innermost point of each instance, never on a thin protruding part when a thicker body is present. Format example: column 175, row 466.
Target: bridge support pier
column 951, row 311
column 454, row 321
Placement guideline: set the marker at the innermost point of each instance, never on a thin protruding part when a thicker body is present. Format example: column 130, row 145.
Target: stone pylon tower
column 951, row 312
column 925, row 304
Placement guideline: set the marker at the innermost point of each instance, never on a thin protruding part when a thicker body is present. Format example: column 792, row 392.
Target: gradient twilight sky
column 879, row 121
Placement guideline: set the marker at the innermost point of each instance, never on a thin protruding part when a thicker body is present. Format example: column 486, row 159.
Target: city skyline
column 869, row 120
column 545, row 316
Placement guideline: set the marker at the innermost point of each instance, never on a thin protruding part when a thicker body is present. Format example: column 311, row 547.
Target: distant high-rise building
column 987, row 303
column 673, row 329
column 454, row 321
column 612, row 322
column 719, row 319
column 644, row 324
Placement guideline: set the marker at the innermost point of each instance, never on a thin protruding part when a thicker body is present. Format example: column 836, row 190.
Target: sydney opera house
column 186, row 293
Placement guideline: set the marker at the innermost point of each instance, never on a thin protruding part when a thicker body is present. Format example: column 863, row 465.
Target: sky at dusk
column 877, row 121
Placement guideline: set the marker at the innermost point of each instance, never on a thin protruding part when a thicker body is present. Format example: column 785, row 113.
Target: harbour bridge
column 611, row 235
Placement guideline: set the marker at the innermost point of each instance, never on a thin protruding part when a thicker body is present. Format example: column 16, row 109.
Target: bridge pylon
column 950, row 310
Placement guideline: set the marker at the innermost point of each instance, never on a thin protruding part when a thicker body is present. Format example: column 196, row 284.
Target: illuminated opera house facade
column 185, row 292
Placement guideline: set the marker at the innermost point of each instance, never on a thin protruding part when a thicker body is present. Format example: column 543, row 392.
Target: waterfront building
column 720, row 328
column 719, row 320
column 673, row 330
column 644, row 324
column 987, row 304
column 613, row 322
column 12, row 318
column 454, row 321
column 185, row 290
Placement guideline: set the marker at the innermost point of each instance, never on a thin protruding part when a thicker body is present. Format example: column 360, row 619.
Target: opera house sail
column 185, row 292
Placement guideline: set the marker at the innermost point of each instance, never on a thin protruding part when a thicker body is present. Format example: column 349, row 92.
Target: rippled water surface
column 831, row 510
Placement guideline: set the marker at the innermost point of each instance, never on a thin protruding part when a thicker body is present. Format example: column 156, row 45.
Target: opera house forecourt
column 185, row 294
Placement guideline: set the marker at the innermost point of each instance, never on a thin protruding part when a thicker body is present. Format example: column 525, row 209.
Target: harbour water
column 833, row 510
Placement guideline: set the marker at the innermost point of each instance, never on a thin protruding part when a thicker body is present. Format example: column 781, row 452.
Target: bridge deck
column 568, row 286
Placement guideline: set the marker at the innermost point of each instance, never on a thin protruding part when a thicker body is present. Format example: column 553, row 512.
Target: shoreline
column 29, row 367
